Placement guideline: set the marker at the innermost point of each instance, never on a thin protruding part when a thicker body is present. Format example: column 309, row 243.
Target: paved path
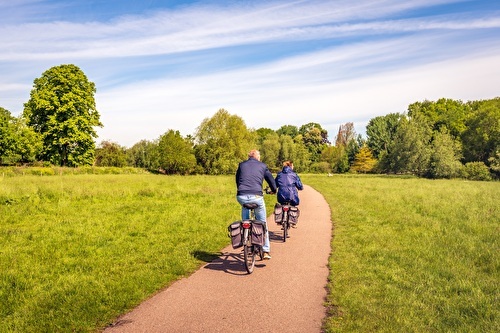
column 284, row 294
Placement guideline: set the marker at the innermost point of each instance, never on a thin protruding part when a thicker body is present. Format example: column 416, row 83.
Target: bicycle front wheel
column 248, row 253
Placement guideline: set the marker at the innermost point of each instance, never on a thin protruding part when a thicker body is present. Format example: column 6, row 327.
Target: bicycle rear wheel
column 285, row 226
column 248, row 252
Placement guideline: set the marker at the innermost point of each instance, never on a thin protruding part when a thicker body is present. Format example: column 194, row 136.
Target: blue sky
column 161, row 65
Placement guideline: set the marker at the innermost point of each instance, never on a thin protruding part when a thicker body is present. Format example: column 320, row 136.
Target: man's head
column 255, row 154
column 288, row 164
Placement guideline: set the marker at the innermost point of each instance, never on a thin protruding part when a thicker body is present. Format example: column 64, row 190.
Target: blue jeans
column 260, row 214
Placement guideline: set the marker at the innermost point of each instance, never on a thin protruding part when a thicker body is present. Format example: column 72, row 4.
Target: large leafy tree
column 364, row 161
column 110, row 154
column 481, row 139
column 175, row 153
column 347, row 138
column 315, row 138
column 300, row 155
column 7, row 133
column 18, row 142
column 495, row 163
column 448, row 113
column 62, row 110
column 336, row 157
column 304, row 129
column 143, row 154
column 270, row 149
column 262, row 133
column 222, row 141
column 294, row 149
column 347, row 145
column 287, row 148
column 28, row 143
column 410, row 152
column 380, row 132
column 290, row 130
column 345, row 134
column 445, row 156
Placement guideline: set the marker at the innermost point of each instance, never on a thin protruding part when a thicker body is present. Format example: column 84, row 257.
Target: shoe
column 293, row 225
column 267, row 256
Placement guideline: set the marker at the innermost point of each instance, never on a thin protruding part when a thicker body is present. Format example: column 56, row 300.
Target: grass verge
column 412, row 255
column 76, row 251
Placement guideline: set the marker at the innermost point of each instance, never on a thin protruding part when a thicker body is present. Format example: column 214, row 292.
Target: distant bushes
column 11, row 171
column 475, row 171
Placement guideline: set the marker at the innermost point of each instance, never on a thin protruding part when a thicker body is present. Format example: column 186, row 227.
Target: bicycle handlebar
column 267, row 190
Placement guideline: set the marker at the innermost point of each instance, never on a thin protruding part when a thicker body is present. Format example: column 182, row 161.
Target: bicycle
column 285, row 219
column 285, row 223
column 250, row 250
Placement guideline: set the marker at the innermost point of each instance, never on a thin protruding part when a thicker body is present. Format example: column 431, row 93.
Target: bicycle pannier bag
column 293, row 215
column 236, row 233
column 258, row 231
column 278, row 213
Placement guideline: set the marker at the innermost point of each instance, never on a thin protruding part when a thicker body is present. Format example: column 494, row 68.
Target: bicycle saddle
column 250, row 205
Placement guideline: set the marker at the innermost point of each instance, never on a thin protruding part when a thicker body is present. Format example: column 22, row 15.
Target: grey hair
column 254, row 153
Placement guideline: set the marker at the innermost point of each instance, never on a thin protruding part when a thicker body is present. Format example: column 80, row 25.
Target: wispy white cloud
column 198, row 28
column 319, row 87
column 170, row 69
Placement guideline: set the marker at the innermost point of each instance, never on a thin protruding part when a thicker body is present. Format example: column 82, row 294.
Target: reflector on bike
column 246, row 224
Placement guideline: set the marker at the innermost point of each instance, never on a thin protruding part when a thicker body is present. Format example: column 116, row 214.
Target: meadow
column 408, row 254
column 412, row 255
column 78, row 250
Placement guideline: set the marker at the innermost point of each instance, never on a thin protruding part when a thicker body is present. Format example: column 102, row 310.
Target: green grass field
column 78, row 250
column 409, row 255
column 413, row 255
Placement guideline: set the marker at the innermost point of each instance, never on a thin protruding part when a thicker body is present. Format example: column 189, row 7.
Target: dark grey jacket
column 250, row 177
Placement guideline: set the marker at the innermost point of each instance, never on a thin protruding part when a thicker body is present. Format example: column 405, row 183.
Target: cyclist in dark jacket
column 249, row 179
column 288, row 183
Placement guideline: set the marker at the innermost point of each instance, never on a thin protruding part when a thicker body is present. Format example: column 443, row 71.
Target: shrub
column 320, row 167
column 476, row 171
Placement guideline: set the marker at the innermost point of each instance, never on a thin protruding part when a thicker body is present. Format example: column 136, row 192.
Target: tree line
column 435, row 139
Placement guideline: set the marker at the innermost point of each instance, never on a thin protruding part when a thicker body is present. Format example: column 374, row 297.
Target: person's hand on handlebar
column 268, row 190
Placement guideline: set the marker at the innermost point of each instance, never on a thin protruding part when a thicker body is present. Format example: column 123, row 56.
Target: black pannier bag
column 235, row 231
column 293, row 215
column 278, row 213
column 258, row 232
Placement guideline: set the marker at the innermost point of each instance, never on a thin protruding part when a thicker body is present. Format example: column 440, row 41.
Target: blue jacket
column 250, row 177
column 288, row 183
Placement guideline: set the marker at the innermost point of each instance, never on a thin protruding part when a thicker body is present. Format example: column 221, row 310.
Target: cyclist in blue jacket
column 249, row 179
column 288, row 183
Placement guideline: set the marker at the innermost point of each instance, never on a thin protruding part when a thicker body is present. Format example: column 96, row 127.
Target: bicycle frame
column 285, row 222
column 250, row 250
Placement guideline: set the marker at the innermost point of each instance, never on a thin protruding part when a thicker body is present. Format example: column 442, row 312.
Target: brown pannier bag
column 278, row 213
column 293, row 215
column 235, row 232
column 258, row 232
